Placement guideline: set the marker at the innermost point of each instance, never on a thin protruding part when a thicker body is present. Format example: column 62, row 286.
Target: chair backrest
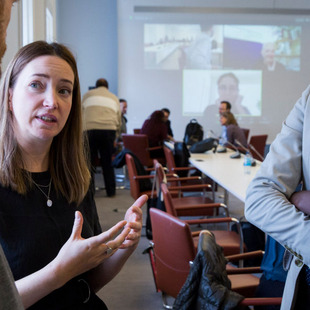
column 246, row 132
column 173, row 249
column 168, row 199
column 259, row 144
column 169, row 159
column 139, row 145
column 132, row 172
column 138, row 186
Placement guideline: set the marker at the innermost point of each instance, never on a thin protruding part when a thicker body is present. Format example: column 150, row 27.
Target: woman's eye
column 34, row 85
column 65, row 91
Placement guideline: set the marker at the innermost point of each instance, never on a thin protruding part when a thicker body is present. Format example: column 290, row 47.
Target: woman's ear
column 10, row 99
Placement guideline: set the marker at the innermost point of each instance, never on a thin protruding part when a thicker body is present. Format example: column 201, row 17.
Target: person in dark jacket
column 168, row 122
column 156, row 130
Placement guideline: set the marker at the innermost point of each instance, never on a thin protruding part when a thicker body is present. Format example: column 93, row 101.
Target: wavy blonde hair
column 68, row 157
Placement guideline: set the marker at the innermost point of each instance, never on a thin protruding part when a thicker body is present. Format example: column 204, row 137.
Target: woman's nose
column 50, row 99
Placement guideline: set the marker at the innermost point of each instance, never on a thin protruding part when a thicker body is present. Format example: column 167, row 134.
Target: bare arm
column 106, row 271
column 77, row 256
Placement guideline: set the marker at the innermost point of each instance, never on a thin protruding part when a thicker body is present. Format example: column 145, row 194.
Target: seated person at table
column 49, row 226
column 156, row 130
column 168, row 123
column 231, row 131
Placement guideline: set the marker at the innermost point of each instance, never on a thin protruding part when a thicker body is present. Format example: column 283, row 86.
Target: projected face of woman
column 228, row 90
column 223, row 120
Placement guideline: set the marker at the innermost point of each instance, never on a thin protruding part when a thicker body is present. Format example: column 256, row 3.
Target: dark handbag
column 204, row 146
column 181, row 156
column 155, row 201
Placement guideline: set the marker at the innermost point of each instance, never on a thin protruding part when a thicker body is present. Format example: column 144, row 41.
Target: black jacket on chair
column 207, row 286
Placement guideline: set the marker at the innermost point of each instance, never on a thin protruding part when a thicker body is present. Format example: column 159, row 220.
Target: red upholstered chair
column 139, row 145
column 134, row 179
column 174, row 249
column 171, row 162
column 257, row 145
column 172, row 168
column 136, row 130
column 230, row 241
column 246, row 133
column 182, row 184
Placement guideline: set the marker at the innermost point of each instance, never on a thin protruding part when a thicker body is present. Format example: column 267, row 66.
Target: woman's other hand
column 133, row 217
column 79, row 255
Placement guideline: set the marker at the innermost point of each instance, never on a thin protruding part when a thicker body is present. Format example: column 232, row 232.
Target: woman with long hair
column 231, row 130
column 49, row 227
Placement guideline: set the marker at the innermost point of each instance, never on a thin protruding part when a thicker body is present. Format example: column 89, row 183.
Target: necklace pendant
column 49, row 203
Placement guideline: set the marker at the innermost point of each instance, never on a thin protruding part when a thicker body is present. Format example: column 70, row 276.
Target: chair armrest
column 143, row 177
column 244, row 270
column 252, row 254
column 210, row 220
column 192, row 187
column 196, row 233
column 262, row 301
column 153, row 148
column 149, row 169
column 183, row 168
column 175, row 177
column 202, row 207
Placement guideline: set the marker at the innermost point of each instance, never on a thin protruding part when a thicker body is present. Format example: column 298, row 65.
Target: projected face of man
column 5, row 15
column 223, row 107
column 268, row 53
column 228, row 89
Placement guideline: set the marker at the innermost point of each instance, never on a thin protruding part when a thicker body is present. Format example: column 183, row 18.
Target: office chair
column 172, row 168
column 257, row 144
column 230, row 241
column 246, row 132
column 182, row 185
column 139, row 184
column 173, row 251
column 139, row 145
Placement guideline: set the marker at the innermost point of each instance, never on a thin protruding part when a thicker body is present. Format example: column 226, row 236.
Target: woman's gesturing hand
column 133, row 217
column 79, row 255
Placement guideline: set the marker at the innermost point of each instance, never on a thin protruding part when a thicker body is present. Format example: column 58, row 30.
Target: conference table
column 227, row 172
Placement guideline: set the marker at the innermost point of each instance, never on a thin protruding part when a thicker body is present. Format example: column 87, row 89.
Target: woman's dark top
column 234, row 133
column 156, row 132
column 31, row 234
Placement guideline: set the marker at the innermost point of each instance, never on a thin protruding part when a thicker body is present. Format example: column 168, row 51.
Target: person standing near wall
column 102, row 117
column 123, row 106
column 9, row 298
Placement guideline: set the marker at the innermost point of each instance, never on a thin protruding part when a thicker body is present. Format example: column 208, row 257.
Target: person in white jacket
column 268, row 205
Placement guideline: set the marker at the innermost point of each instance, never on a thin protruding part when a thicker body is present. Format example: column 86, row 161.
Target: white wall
column 89, row 29
column 15, row 38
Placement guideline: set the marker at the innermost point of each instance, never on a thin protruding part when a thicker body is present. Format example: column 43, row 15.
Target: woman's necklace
column 49, row 202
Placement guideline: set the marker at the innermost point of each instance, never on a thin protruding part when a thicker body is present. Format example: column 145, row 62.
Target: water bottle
column 247, row 163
